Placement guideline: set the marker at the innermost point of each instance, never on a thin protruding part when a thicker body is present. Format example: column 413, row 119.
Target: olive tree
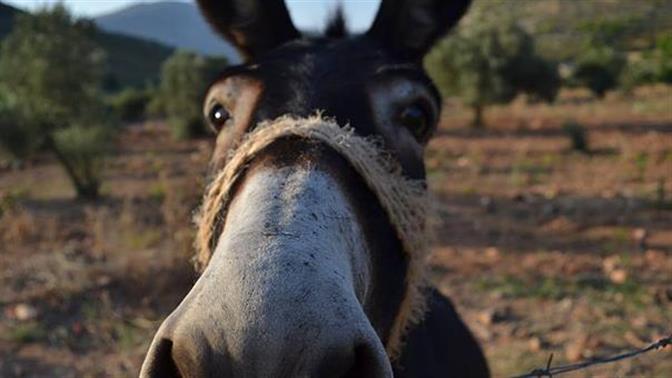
column 51, row 69
column 599, row 68
column 487, row 62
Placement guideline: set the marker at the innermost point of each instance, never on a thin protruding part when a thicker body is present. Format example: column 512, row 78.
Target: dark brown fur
column 285, row 74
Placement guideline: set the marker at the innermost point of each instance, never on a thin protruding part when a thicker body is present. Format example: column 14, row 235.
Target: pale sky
column 307, row 14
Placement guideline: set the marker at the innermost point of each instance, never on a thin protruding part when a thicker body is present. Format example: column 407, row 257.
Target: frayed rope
column 404, row 200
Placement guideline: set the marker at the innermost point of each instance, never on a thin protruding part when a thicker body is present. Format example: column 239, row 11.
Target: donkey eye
column 416, row 119
column 218, row 117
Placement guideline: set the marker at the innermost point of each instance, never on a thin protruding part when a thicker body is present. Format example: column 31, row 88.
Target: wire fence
column 551, row 371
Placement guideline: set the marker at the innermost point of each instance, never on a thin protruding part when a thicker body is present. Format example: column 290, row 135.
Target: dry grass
column 544, row 249
column 549, row 250
column 98, row 276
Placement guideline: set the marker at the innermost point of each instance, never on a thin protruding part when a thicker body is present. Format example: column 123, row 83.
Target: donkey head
column 307, row 274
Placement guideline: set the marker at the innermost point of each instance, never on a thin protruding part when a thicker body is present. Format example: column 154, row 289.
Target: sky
column 307, row 14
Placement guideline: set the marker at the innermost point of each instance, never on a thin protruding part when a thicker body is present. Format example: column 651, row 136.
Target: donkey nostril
column 162, row 363
column 363, row 360
column 366, row 363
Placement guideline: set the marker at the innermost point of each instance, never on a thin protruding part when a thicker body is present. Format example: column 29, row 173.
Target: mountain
column 130, row 61
column 7, row 14
column 173, row 23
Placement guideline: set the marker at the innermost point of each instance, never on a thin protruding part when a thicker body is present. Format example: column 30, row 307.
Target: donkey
column 307, row 273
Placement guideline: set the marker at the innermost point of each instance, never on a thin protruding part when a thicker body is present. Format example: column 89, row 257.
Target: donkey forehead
column 310, row 74
column 324, row 55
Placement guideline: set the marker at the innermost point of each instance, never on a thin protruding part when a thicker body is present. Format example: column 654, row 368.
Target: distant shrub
column 155, row 108
column 27, row 332
column 81, row 151
column 130, row 105
column 600, row 31
column 599, row 68
column 577, row 135
column 9, row 200
column 184, row 79
column 664, row 52
column 536, row 77
column 638, row 73
column 654, row 66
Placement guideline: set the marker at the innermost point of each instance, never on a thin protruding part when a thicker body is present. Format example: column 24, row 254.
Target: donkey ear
column 253, row 26
column 411, row 27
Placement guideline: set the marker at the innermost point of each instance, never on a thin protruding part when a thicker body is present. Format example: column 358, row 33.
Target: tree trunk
column 84, row 189
column 477, row 122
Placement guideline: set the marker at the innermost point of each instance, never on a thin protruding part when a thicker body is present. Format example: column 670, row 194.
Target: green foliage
column 536, row 77
column 641, row 161
column 18, row 137
column 606, row 32
column 598, row 68
column 664, row 53
column 26, row 333
column 9, row 200
column 155, row 107
column 184, row 78
column 558, row 288
column 81, row 151
column 562, row 27
column 488, row 62
column 130, row 105
column 655, row 66
column 183, row 128
column 50, row 69
column 640, row 72
column 51, row 66
column 577, row 135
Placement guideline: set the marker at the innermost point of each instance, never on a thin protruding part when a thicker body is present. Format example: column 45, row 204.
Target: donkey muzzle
column 282, row 294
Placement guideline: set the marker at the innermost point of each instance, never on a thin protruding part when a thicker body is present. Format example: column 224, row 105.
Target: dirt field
column 544, row 249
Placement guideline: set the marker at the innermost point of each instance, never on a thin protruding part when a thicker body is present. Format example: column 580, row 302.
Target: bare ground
column 544, row 249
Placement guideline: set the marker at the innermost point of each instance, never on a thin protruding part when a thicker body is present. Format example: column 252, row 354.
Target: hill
column 130, row 61
column 6, row 19
column 172, row 23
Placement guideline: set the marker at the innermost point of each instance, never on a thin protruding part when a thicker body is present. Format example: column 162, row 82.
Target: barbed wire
column 551, row 371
